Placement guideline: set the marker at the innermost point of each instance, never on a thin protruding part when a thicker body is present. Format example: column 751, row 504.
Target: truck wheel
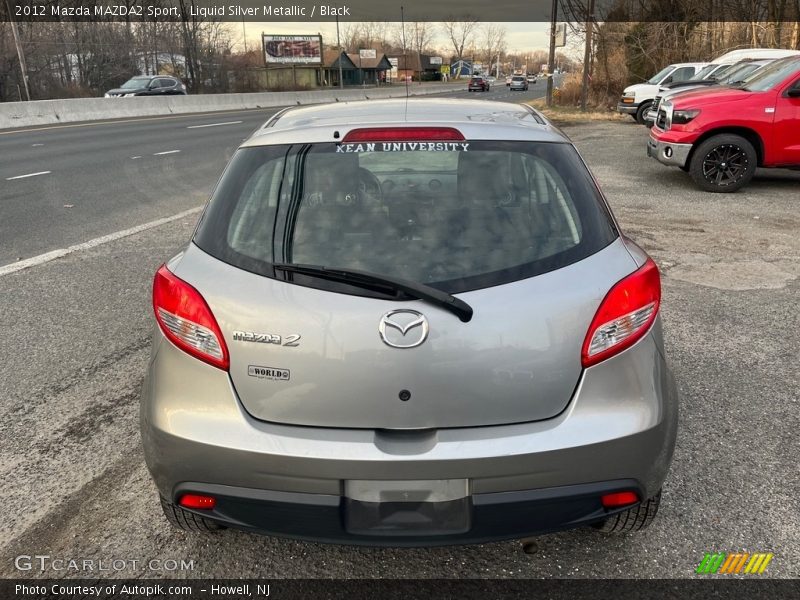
column 634, row 519
column 188, row 521
column 723, row 163
column 643, row 108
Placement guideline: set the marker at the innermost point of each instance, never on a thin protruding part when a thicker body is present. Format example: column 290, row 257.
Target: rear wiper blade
column 414, row 289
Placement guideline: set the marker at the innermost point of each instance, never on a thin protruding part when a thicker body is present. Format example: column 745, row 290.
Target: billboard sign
column 435, row 60
column 292, row 49
column 368, row 53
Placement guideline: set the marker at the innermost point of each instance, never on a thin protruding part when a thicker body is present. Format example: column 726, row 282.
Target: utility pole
column 339, row 44
column 587, row 55
column 20, row 54
column 552, row 58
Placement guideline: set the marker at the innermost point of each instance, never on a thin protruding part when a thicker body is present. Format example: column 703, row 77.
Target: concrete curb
column 50, row 112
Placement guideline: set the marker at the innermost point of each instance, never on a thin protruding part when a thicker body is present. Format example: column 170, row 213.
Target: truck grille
column 656, row 103
column 661, row 119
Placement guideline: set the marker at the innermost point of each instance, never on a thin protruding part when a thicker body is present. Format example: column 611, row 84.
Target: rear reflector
column 401, row 134
column 618, row 499
column 186, row 319
column 624, row 315
column 197, row 501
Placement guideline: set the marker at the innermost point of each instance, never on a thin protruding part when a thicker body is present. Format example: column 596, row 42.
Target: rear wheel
column 634, row 519
column 723, row 163
column 188, row 521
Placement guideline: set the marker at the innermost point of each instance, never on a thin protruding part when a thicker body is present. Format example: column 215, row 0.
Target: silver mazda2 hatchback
column 408, row 322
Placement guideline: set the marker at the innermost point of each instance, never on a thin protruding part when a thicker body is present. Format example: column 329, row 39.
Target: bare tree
column 493, row 38
column 420, row 35
column 461, row 34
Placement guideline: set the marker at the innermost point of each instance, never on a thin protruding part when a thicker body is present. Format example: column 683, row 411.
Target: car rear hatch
column 320, row 351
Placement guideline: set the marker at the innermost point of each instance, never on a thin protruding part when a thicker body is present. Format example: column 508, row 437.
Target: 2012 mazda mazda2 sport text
column 408, row 322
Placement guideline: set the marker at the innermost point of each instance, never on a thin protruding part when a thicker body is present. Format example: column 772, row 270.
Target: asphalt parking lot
column 75, row 344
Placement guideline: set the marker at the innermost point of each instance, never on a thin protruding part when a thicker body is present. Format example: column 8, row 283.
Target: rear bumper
column 333, row 518
column 289, row 480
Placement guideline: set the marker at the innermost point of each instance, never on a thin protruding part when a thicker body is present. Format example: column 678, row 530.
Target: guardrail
column 49, row 112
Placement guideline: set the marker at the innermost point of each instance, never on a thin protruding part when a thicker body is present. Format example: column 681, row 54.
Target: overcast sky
column 521, row 37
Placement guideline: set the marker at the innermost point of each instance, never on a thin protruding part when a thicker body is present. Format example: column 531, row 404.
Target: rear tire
column 634, row 519
column 723, row 163
column 188, row 521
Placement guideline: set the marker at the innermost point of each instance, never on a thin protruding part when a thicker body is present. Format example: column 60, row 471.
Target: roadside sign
column 561, row 35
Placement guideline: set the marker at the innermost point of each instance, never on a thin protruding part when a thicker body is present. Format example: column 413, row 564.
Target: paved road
column 75, row 345
column 69, row 184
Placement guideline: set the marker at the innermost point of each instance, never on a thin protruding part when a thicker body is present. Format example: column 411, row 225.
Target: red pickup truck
column 721, row 135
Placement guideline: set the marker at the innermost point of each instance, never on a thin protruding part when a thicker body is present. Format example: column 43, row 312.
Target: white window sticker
column 403, row 147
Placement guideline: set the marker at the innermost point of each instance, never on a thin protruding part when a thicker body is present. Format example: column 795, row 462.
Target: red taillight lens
column 624, row 316
column 400, row 134
column 186, row 319
column 618, row 499
column 198, row 501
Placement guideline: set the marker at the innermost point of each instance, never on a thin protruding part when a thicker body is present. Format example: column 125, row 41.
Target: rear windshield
column 455, row 215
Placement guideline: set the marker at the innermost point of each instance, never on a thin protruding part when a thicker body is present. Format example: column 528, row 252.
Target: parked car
column 405, row 331
column 637, row 99
column 519, row 82
column 721, row 69
column 734, row 75
column 721, row 135
column 149, row 85
column 478, row 83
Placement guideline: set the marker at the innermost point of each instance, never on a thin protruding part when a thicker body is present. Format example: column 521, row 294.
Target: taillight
column 618, row 499
column 186, row 319
column 400, row 134
column 198, row 501
column 624, row 316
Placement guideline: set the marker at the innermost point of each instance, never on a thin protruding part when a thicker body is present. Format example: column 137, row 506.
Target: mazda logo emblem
column 410, row 328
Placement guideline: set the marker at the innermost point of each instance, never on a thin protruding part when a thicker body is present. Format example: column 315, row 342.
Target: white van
column 637, row 98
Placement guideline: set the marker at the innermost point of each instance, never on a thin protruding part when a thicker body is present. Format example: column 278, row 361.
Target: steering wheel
column 369, row 186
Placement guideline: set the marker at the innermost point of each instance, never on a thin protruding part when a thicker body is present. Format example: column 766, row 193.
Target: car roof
column 737, row 55
column 476, row 119
column 689, row 64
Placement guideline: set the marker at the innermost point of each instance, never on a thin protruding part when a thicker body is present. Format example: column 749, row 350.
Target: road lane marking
column 167, row 152
column 214, row 125
column 49, row 256
column 28, row 175
column 135, row 157
column 36, row 145
column 124, row 121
